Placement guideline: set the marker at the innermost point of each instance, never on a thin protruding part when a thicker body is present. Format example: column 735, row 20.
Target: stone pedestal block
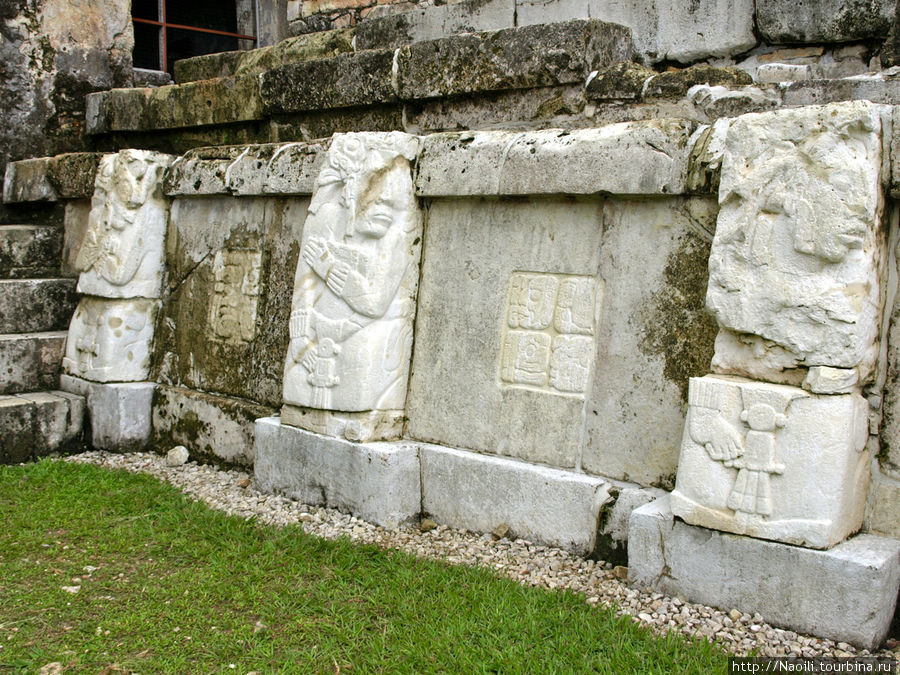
column 847, row 593
column 378, row 482
column 773, row 461
column 119, row 412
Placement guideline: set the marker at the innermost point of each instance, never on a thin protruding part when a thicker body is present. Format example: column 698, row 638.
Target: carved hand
column 708, row 428
column 309, row 361
column 317, row 256
column 338, row 277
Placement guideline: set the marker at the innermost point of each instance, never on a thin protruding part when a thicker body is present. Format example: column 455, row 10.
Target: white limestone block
column 122, row 255
column 355, row 286
column 773, row 461
column 111, row 340
column 794, row 263
column 119, row 411
column 825, row 380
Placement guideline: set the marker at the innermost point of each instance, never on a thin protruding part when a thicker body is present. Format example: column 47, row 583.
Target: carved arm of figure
column 707, row 425
column 299, row 347
column 318, row 257
column 369, row 283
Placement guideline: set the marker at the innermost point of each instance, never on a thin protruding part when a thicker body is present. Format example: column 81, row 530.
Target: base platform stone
column 379, row 482
column 119, row 412
column 538, row 503
column 847, row 593
column 360, row 427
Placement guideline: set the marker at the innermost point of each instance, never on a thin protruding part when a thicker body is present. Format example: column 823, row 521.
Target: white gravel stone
column 520, row 560
column 177, row 456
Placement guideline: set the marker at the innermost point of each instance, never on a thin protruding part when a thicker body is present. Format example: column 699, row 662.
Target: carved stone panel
column 556, row 352
column 232, row 311
column 354, row 291
column 794, row 264
column 122, row 252
column 772, row 461
column 111, row 340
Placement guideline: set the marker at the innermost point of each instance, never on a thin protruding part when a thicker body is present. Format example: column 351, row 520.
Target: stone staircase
column 36, row 304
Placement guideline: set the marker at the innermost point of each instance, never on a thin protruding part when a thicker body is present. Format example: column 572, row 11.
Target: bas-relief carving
column 232, row 311
column 355, row 286
column 548, row 342
column 111, row 340
column 793, row 267
column 123, row 248
column 772, row 461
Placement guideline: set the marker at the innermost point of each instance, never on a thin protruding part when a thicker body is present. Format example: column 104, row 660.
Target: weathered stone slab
column 67, row 176
column 847, row 593
column 121, row 255
column 477, row 492
column 212, row 426
column 358, row 78
column 30, row 361
column 637, row 158
column 662, row 29
column 875, row 88
column 516, row 58
column 507, row 317
column 225, row 321
column 36, row 305
column 355, row 286
column 432, row 23
column 612, row 533
column 773, row 462
column 705, row 163
column 794, row 264
column 883, row 506
column 29, row 251
column 111, row 340
column 818, row 21
column 360, row 427
column 654, row 334
column 119, row 413
column 17, row 422
column 378, row 482
column 27, row 181
column 58, row 418
column 76, row 223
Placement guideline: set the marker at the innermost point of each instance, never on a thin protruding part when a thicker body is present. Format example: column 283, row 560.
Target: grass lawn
column 166, row 585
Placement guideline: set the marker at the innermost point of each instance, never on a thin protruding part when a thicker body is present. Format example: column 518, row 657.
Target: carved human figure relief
column 794, row 263
column 232, row 310
column 123, row 249
column 111, row 340
column 547, row 342
column 355, row 286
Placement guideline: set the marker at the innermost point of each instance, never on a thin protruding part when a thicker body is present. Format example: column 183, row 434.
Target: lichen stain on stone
column 676, row 325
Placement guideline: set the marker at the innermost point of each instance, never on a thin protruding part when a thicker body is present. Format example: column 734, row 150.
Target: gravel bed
column 234, row 492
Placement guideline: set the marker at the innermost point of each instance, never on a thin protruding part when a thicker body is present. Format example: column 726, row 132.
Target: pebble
column 177, row 456
column 601, row 584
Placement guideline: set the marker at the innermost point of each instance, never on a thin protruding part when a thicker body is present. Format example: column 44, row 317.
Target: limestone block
column 111, row 340
column 508, row 307
column 378, row 482
column 76, row 222
column 648, row 158
column 477, row 492
column 36, row 305
column 818, row 21
column 28, row 251
column 27, row 181
column 359, row 427
column 355, row 285
column 122, row 252
column 30, row 361
column 794, row 264
column 847, row 593
column 705, row 163
column 883, row 507
column 773, row 462
column 17, row 422
column 217, row 427
column 612, row 534
column 58, row 418
column 875, row 88
column 119, row 412
column 825, row 380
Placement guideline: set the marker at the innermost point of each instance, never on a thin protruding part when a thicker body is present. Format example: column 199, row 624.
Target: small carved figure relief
column 123, row 248
column 354, row 291
column 232, row 312
column 556, row 353
column 111, row 340
column 795, row 257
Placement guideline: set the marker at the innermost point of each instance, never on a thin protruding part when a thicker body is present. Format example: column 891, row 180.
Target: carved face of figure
column 390, row 205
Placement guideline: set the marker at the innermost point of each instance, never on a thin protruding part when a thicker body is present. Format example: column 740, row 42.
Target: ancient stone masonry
column 354, row 290
column 232, row 312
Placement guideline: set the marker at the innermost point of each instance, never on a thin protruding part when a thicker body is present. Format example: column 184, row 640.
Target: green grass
column 180, row 588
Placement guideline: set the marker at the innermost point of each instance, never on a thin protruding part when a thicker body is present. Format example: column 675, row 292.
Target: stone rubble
column 234, row 492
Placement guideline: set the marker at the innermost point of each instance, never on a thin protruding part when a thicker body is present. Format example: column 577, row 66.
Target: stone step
column 30, row 361
column 36, row 305
column 37, row 424
column 28, row 251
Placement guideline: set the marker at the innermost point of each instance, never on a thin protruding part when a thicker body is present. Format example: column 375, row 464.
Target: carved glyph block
column 355, row 287
column 793, row 276
column 111, row 340
column 232, row 311
column 773, row 461
column 556, row 352
column 123, row 249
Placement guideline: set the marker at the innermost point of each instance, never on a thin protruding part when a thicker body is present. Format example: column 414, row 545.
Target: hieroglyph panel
column 123, row 249
column 354, row 291
column 772, row 461
column 111, row 340
column 548, row 335
column 232, row 310
column 793, row 271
